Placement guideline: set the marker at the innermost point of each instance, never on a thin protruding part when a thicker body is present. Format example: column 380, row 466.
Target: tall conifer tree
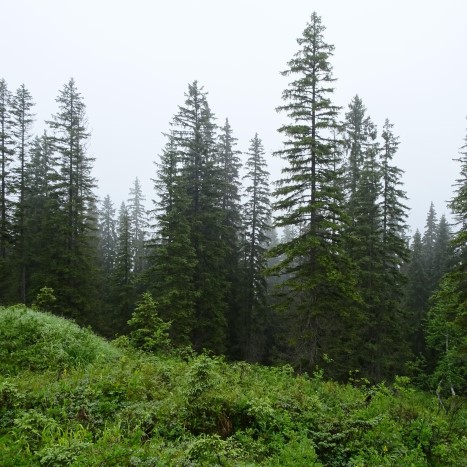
column 442, row 252
column 429, row 260
column 389, row 329
column 429, row 240
column 229, row 164
column 139, row 225
column 447, row 318
column 320, row 289
column 122, row 277
column 173, row 262
column 393, row 209
column 107, row 259
column 257, row 217
column 193, row 132
column 77, row 294
column 107, row 235
column 359, row 134
column 6, row 151
column 416, row 296
column 44, row 219
column 447, row 326
column 22, row 120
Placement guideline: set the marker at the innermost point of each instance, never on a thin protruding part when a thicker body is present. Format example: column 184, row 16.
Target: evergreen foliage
column 6, row 151
column 173, row 262
column 447, row 335
column 359, row 136
column 230, row 164
column 76, row 259
column 320, row 289
column 447, row 323
column 388, row 329
column 429, row 239
column 364, row 232
column 416, row 299
column 149, row 332
column 107, row 236
column 350, row 296
column 138, row 226
column 44, row 218
column 442, row 260
column 45, row 300
column 122, row 278
column 256, row 218
column 431, row 258
column 22, row 120
column 196, row 172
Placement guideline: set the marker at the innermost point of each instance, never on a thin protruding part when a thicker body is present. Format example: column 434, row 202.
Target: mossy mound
column 36, row 341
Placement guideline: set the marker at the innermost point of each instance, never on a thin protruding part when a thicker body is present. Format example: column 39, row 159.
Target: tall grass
column 36, row 341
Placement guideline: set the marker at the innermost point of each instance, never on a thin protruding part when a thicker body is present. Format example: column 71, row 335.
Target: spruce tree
column 447, row 322
column 429, row 239
column 123, row 270
column 194, row 136
column 22, row 120
column 389, row 330
column 447, row 334
column 77, row 293
column 149, row 331
column 44, row 219
column 320, row 289
column 230, row 164
column 363, row 234
column 442, row 257
column 139, row 225
column 394, row 211
column 359, row 134
column 123, row 298
column 173, row 261
column 430, row 259
column 416, row 295
column 107, row 255
column 5, row 176
column 256, row 218
column 365, row 247
column 107, row 235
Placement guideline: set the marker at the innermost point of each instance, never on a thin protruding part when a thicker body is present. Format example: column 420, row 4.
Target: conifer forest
column 222, row 270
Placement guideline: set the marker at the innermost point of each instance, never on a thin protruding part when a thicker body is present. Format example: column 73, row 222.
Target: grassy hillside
column 68, row 397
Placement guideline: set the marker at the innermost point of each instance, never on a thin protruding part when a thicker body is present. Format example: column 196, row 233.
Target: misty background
column 132, row 62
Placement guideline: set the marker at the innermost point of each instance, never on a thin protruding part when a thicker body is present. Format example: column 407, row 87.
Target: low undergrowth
column 114, row 406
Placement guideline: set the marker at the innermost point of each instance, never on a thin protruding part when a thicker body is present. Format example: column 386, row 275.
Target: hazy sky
column 132, row 61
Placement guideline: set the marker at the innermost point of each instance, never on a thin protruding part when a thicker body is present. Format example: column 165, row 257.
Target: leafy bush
column 146, row 409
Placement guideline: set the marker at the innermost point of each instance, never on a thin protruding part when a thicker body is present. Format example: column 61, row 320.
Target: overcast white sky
column 132, row 61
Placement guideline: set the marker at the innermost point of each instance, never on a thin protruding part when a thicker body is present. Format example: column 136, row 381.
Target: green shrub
column 45, row 300
column 298, row 451
column 144, row 409
column 212, row 450
column 149, row 331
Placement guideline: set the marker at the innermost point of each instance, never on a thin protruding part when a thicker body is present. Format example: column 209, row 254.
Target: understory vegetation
column 68, row 397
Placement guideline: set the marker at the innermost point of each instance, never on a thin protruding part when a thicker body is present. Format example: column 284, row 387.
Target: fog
column 132, row 62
